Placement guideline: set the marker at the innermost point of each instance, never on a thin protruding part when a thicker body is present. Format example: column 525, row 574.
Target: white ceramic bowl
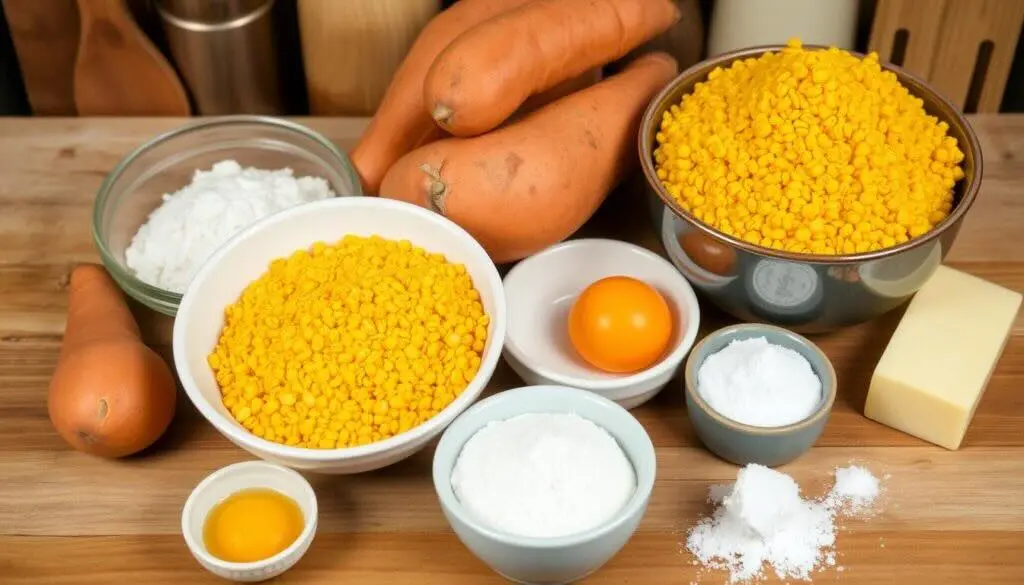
column 245, row 257
column 546, row 560
column 239, row 476
column 540, row 292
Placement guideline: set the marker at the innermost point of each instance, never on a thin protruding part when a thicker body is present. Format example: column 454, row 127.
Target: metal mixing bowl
column 804, row 292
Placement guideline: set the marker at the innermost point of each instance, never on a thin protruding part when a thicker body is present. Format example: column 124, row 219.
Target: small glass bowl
column 166, row 163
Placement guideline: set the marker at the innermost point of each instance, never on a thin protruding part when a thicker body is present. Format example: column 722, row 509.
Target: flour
column 856, row 486
column 190, row 224
column 754, row 382
column 764, row 520
column 543, row 475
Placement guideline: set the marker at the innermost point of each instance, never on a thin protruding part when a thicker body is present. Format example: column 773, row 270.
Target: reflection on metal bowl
column 673, row 234
column 804, row 292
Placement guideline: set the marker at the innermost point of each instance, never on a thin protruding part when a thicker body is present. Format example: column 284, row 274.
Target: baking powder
column 763, row 519
column 543, row 475
column 190, row 224
column 855, row 485
column 758, row 383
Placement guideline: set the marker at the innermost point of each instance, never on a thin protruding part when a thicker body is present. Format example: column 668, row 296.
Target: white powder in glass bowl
column 190, row 224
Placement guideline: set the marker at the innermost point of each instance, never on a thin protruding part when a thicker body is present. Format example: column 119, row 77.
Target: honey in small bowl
column 252, row 525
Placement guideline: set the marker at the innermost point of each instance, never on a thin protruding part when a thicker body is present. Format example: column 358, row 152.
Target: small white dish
column 541, row 289
column 246, row 475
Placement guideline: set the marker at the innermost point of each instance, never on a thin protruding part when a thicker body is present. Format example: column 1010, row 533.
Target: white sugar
column 855, row 485
column 755, row 382
column 763, row 520
column 543, row 475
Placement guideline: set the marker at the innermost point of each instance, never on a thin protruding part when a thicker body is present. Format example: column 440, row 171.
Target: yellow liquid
column 252, row 525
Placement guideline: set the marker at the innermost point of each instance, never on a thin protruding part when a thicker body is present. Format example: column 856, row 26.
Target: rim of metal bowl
column 155, row 295
column 917, row 87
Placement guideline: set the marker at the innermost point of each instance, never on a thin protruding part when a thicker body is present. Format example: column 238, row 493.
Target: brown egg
column 710, row 255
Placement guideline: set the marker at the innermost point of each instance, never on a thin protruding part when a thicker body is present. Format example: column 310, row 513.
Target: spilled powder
column 762, row 520
column 855, row 487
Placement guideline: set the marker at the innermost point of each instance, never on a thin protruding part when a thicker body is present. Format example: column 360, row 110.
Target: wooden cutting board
column 118, row 71
column 947, row 518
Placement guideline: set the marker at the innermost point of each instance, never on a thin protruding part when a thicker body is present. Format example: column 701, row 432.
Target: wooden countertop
column 949, row 518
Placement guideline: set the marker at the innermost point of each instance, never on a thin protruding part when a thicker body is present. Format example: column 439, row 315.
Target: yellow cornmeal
column 809, row 151
column 348, row 344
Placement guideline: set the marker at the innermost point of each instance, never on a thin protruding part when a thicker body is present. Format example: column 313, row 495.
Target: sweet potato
column 402, row 122
column 110, row 395
column 486, row 73
column 532, row 183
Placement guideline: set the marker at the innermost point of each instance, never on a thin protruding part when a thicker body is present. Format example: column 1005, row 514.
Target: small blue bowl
column 741, row 443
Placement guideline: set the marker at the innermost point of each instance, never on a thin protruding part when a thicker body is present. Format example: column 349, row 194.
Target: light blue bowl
column 546, row 561
column 740, row 443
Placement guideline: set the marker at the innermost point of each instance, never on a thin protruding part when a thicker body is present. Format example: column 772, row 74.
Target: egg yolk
column 620, row 325
column 252, row 525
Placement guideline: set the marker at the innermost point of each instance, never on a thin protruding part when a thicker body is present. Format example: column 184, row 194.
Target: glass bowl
column 166, row 163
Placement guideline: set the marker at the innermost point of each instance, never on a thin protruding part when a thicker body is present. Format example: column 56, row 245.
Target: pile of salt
column 762, row 519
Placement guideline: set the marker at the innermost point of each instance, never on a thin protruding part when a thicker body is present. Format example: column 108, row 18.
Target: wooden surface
column 967, row 24
column 921, row 20
column 943, row 41
column 118, row 70
column 949, row 518
column 352, row 49
column 45, row 36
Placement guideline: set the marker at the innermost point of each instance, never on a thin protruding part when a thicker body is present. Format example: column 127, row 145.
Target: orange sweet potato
column 401, row 122
column 487, row 73
column 534, row 182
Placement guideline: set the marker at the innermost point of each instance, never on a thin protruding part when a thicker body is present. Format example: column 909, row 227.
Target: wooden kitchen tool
column 45, row 36
column 352, row 48
column 118, row 71
column 963, row 48
column 972, row 63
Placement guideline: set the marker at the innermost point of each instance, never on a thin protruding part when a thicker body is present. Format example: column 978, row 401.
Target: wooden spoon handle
column 91, row 10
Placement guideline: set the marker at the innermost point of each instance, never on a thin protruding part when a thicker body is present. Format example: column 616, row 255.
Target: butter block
column 939, row 361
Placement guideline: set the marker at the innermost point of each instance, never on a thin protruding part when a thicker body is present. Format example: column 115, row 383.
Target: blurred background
column 336, row 57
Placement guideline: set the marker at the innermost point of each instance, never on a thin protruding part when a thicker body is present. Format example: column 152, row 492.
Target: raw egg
column 620, row 324
column 252, row 525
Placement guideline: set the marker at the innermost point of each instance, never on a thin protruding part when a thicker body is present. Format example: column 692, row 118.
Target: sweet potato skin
column 489, row 71
column 532, row 183
column 402, row 122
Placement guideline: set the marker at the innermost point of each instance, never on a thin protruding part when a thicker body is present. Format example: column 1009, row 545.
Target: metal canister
column 226, row 53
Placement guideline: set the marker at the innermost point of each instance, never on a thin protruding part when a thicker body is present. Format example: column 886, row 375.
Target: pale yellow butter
column 938, row 362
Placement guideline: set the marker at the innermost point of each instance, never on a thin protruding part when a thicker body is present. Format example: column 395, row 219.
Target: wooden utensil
column 45, row 36
column 352, row 48
column 118, row 71
column 971, row 64
column 973, row 61
column 906, row 33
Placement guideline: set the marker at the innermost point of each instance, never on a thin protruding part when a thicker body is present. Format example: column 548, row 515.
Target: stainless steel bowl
column 804, row 292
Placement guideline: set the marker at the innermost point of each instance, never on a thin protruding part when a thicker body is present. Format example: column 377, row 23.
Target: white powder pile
column 543, row 475
column 190, row 224
column 764, row 520
column 855, row 486
column 758, row 383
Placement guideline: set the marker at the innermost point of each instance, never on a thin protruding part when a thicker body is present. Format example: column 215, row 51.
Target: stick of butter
column 938, row 362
